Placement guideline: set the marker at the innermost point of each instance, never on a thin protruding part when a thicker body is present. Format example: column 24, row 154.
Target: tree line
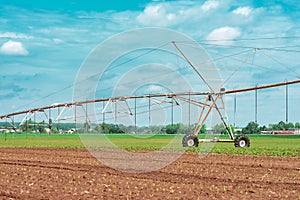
column 254, row 128
column 42, row 127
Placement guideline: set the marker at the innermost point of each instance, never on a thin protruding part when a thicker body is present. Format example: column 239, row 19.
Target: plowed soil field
column 74, row 174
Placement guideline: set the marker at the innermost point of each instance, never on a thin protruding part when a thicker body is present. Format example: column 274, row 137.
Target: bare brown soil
column 75, row 174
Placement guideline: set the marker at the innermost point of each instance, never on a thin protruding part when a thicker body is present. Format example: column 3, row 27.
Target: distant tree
column 50, row 124
column 115, row 129
column 122, row 128
column 289, row 125
column 41, row 127
column 104, row 128
column 221, row 129
column 86, row 126
column 155, row 129
column 97, row 129
column 232, row 128
column 297, row 125
column 130, row 129
column 27, row 126
column 111, row 128
column 184, row 129
column 203, row 129
column 54, row 129
column 274, row 127
column 263, row 128
column 143, row 129
column 172, row 128
column 281, row 125
column 251, row 128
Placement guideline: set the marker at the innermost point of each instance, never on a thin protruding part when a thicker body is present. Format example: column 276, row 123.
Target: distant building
column 47, row 130
column 281, row 132
column 10, row 130
column 72, row 130
column 4, row 130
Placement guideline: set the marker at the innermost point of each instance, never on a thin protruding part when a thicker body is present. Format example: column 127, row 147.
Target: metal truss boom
column 168, row 95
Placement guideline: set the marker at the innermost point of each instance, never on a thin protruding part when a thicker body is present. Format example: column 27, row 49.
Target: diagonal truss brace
column 200, row 121
column 127, row 107
column 26, row 117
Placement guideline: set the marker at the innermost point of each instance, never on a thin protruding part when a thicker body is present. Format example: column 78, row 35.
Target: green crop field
column 271, row 145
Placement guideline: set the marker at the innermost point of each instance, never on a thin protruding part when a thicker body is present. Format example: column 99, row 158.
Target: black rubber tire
column 242, row 141
column 190, row 140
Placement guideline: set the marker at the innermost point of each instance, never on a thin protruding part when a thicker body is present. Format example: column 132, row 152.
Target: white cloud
column 155, row 88
column 209, row 5
column 223, row 35
column 244, row 11
column 169, row 14
column 156, row 15
column 181, row 13
column 13, row 48
column 14, row 35
column 57, row 41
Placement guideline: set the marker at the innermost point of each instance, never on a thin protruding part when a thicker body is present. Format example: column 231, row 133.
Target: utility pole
column 86, row 118
column 75, row 117
column 103, row 114
column 26, row 126
column 49, row 120
column 5, row 128
column 286, row 103
column 234, row 110
column 256, row 105
column 135, row 115
column 189, row 109
column 58, row 112
column 34, row 117
column 149, row 108
column 116, row 112
column 172, row 112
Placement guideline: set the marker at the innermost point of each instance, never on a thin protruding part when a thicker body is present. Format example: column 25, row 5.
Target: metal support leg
column 198, row 128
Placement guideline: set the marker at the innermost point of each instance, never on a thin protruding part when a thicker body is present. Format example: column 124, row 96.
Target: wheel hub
column 242, row 143
column 190, row 142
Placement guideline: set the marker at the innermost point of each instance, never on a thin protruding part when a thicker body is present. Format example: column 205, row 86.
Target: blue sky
column 44, row 43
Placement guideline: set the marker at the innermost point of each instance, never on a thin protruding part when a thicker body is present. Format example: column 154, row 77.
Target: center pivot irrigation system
column 212, row 98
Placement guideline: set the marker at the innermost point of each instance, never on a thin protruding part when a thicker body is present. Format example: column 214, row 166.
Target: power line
column 274, row 48
column 178, row 70
column 275, row 60
column 243, row 39
column 279, row 48
column 255, row 65
column 253, row 47
column 96, row 74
